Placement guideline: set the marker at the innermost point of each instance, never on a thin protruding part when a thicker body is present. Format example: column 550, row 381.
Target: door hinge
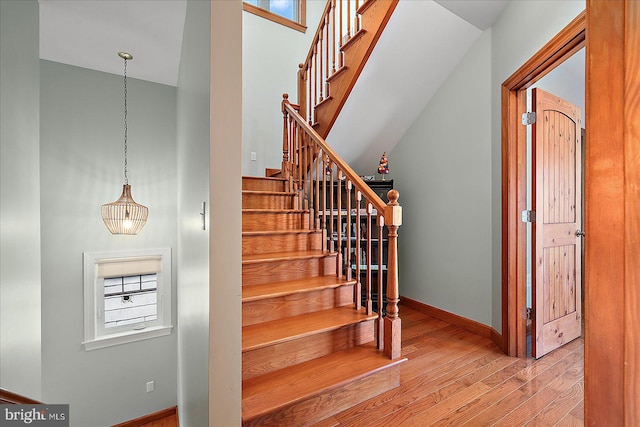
column 528, row 118
column 528, row 313
column 528, row 216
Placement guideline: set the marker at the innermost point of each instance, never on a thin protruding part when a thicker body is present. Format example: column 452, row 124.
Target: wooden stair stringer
column 374, row 18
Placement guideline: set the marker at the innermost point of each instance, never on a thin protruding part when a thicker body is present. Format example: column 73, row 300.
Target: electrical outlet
column 151, row 386
column 254, row 156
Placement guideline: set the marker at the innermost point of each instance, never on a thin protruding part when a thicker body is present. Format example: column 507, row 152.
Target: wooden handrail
column 320, row 62
column 358, row 182
column 8, row 397
column 307, row 160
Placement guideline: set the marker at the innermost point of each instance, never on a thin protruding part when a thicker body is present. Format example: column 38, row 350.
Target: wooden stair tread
column 281, row 330
column 270, row 172
column 280, row 232
column 266, row 178
column 283, row 256
column 268, row 211
column 275, row 390
column 269, row 193
column 278, row 289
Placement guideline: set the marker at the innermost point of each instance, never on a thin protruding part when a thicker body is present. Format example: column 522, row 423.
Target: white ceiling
column 90, row 33
column 480, row 13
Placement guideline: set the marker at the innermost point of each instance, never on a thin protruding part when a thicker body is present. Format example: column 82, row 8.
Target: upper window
column 127, row 296
column 290, row 13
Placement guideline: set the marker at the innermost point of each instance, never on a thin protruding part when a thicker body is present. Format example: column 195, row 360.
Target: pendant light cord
column 126, row 179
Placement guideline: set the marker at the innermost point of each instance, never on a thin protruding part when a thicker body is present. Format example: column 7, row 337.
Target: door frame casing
column 612, row 212
column 514, row 178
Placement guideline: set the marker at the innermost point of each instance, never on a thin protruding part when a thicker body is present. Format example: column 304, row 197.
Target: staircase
column 314, row 342
column 307, row 352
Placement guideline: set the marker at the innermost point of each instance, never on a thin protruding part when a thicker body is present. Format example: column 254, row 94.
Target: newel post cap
column 393, row 211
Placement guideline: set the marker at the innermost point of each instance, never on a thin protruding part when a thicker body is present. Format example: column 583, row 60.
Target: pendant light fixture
column 125, row 216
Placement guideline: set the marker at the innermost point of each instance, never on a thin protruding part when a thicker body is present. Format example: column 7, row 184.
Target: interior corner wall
column 193, row 95
column 271, row 53
column 523, row 28
column 448, row 169
column 20, row 287
column 442, row 169
column 81, row 168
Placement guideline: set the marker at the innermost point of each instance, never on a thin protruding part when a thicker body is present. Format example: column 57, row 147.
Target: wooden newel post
column 392, row 323
column 286, row 162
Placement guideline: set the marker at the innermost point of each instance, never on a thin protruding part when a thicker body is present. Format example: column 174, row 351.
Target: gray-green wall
column 81, row 152
column 523, row 28
column 270, row 56
column 447, row 168
column 193, row 242
column 20, row 346
column 442, row 169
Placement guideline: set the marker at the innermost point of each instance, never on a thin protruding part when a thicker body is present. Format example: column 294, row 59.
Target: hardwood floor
column 170, row 421
column 456, row 378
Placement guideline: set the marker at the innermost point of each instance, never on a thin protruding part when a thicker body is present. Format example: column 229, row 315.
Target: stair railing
column 339, row 22
column 319, row 176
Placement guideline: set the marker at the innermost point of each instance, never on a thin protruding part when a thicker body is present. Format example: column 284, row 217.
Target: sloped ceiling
column 90, row 33
column 421, row 45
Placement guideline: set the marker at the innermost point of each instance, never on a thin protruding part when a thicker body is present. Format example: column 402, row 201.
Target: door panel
column 557, row 195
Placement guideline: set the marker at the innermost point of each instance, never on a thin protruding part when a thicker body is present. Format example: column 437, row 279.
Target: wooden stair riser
column 278, row 356
column 269, row 243
column 289, row 269
column 268, row 200
column 266, row 310
column 263, row 184
column 269, row 221
column 321, row 406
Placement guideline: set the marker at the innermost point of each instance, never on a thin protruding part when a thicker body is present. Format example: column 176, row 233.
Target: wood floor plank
column 509, row 402
column 449, row 397
column 453, row 377
column 578, row 411
column 570, row 421
column 557, row 409
column 513, row 381
column 432, row 379
column 547, row 395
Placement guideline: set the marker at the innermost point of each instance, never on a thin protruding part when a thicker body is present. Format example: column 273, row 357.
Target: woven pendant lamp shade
column 124, row 216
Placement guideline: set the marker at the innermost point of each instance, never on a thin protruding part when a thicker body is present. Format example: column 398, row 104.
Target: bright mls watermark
column 34, row 415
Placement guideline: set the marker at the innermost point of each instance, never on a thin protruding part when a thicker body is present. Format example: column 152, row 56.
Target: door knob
column 580, row 233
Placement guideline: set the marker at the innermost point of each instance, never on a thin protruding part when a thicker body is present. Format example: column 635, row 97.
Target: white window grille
column 127, row 296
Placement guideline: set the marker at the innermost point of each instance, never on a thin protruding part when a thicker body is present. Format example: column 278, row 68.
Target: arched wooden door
column 557, row 230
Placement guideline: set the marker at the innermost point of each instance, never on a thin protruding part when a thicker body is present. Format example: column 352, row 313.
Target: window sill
column 127, row 337
column 275, row 18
